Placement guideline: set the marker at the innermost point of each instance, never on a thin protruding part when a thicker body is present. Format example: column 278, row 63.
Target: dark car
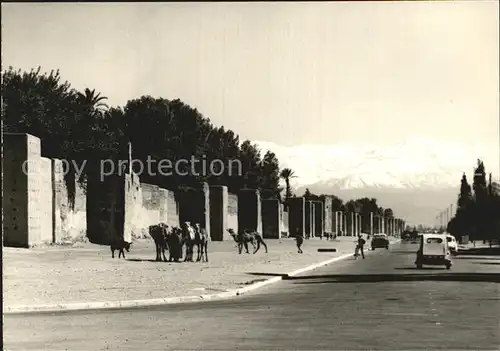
column 380, row 241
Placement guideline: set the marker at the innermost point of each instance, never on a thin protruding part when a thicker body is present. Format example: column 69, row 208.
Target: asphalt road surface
column 380, row 303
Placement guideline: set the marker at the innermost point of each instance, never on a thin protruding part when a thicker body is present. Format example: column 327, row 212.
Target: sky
column 287, row 73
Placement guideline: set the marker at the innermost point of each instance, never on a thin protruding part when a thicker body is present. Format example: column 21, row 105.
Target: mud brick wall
column 44, row 199
column 328, row 226
column 296, row 216
column 15, row 191
column 335, row 222
column 343, row 216
column 218, row 212
column 27, row 192
column 310, row 226
column 194, row 206
column 105, row 210
column 149, row 205
column 350, row 224
column 223, row 213
column 232, row 213
column 152, row 207
column 133, row 221
column 319, row 219
column 285, row 231
column 371, row 224
column 249, row 210
column 271, row 219
column 172, row 209
column 69, row 220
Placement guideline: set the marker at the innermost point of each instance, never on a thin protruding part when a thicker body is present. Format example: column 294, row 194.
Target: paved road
column 380, row 303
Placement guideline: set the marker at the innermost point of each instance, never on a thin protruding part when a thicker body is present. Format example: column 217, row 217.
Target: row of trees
column 79, row 126
column 478, row 208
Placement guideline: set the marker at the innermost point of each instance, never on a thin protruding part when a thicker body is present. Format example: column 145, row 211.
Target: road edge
column 87, row 306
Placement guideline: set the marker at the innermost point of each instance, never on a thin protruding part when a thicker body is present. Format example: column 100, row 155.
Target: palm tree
column 92, row 101
column 287, row 174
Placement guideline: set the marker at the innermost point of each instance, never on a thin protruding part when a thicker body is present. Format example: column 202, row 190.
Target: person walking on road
column 299, row 239
column 360, row 247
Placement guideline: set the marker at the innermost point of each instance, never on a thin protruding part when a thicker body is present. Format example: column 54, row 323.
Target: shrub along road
column 380, row 303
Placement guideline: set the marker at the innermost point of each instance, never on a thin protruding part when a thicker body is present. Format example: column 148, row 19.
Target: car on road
column 452, row 243
column 433, row 251
column 380, row 241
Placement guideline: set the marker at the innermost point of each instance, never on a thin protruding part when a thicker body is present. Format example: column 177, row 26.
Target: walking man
column 361, row 244
column 299, row 239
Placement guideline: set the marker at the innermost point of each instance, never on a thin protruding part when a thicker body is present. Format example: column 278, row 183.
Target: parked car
column 452, row 243
column 380, row 241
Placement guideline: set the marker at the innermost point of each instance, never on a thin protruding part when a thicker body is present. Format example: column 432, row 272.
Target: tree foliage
column 478, row 213
column 81, row 127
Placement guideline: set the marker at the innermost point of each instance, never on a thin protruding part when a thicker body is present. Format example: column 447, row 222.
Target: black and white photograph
column 251, row 175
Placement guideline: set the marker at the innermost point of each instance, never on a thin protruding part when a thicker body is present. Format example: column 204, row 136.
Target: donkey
column 201, row 241
column 159, row 233
column 245, row 237
column 119, row 245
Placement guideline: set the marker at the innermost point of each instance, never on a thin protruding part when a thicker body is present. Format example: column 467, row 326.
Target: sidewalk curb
column 81, row 306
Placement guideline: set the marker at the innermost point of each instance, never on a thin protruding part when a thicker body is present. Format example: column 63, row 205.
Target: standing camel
column 245, row 237
column 175, row 243
column 159, row 233
column 201, row 241
column 189, row 238
column 239, row 241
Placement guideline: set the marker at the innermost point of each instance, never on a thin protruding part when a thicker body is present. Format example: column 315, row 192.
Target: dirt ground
column 87, row 273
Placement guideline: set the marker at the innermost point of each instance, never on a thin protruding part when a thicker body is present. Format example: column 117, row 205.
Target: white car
column 452, row 243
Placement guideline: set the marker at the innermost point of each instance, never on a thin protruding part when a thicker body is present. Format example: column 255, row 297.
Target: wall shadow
column 475, row 258
column 267, row 274
column 410, row 277
column 427, row 268
column 483, row 251
column 147, row 260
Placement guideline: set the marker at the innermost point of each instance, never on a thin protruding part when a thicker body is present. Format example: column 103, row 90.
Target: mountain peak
column 416, row 162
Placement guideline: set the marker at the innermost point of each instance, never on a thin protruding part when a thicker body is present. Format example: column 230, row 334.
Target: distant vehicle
column 433, row 251
column 380, row 241
column 452, row 243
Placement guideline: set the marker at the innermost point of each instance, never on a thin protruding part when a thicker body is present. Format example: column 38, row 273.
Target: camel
column 245, row 237
column 159, row 233
column 201, row 241
column 175, row 243
column 189, row 238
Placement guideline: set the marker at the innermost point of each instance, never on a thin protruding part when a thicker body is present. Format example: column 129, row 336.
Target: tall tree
column 251, row 164
column 287, row 174
column 388, row 213
column 270, row 171
column 480, row 201
column 461, row 223
column 93, row 101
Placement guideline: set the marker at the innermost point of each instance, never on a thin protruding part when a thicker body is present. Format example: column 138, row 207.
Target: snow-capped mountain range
column 417, row 178
column 414, row 164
